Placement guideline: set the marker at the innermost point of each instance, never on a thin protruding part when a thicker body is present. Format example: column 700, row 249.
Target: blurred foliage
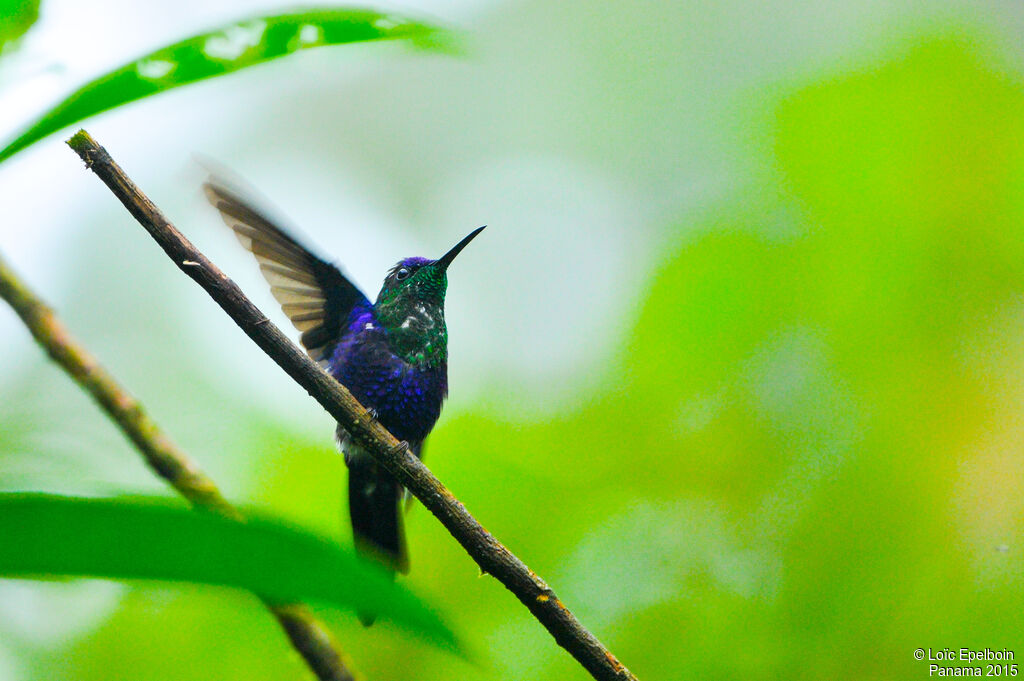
column 807, row 461
column 226, row 50
column 143, row 538
column 16, row 17
column 804, row 460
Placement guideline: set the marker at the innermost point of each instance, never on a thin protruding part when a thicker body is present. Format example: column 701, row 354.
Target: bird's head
column 418, row 281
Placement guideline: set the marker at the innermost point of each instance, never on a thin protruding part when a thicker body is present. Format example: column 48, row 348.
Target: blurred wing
column 314, row 294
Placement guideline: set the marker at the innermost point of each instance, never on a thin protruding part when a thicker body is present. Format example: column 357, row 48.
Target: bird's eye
column 402, row 274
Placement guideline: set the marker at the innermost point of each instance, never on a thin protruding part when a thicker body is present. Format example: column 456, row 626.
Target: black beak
column 447, row 258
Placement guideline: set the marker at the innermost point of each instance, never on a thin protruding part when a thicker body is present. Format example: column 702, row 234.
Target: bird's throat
column 416, row 331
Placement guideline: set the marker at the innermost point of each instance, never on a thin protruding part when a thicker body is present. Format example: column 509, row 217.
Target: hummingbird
column 392, row 355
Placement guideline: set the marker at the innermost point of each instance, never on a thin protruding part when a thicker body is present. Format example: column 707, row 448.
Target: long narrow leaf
column 219, row 52
column 140, row 538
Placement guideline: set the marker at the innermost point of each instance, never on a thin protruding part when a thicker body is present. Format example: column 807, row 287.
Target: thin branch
column 309, row 637
column 492, row 557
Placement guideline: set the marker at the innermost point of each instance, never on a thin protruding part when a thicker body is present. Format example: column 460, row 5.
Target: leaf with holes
column 220, row 52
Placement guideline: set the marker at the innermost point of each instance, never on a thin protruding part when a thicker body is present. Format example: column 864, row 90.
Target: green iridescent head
column 410, row 305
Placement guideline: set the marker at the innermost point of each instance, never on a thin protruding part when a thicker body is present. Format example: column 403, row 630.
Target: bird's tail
column 373, row 504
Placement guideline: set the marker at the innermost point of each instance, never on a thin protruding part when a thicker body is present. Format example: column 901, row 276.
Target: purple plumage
column 405, row 397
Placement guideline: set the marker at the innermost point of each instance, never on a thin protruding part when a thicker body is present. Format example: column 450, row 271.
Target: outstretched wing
column 314, row 294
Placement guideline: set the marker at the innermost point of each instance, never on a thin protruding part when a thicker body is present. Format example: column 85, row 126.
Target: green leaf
column 147, row 538
column 16, row 17
column 219, row 52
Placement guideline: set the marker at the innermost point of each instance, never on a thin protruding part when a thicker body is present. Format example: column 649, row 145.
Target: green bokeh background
column 794, row 450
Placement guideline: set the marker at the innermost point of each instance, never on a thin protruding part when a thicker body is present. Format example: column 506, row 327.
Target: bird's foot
column 400, row 449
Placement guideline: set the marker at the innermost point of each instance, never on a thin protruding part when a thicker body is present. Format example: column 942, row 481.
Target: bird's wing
column 314, row 294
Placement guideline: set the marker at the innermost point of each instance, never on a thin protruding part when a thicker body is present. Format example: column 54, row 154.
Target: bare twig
column 492, row 557
column 307, row 635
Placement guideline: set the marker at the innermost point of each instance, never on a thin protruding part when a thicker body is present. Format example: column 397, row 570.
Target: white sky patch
column 310, row 34
column 154, row 69
column 555, row 320
column 235, row 40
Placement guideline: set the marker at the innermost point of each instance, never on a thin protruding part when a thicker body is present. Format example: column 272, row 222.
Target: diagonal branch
column 311, row 638
column 492, row 557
